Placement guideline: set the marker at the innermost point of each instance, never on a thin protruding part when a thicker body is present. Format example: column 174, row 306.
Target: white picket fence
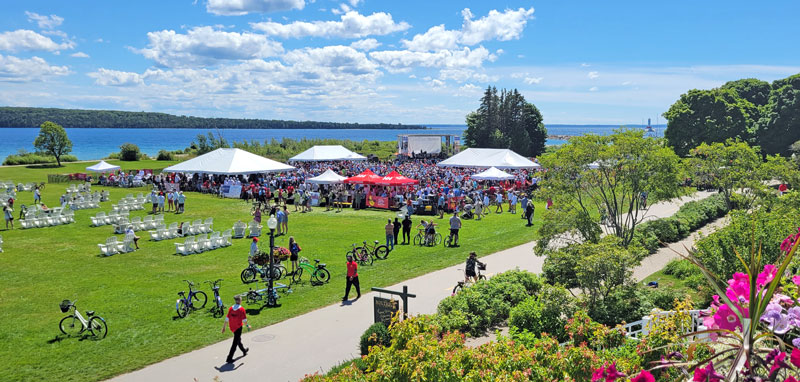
column 638, row 329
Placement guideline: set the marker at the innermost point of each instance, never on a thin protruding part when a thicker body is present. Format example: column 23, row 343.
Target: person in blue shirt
column 440, row 206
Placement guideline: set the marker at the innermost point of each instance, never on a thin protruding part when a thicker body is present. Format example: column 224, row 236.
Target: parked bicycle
column 468, row 281
column 448, row 240
column 249, row 274
column 362, row 257
column 377, row 251
column 253, row 296
column 219, row 308
column 319, row 273
column 422, row 239
column 75, row 324
column 195, row 300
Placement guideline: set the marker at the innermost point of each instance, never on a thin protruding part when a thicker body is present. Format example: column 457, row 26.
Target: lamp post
column 272, row 223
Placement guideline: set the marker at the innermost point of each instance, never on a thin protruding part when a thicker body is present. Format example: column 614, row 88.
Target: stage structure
column 416, row 144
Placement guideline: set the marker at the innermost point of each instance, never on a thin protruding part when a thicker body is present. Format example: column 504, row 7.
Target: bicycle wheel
column 481, row 277
column 322, row 275
column 248, row 275
column 182, row 308
column 365, row 258
column 98, row 327
column 297, row 276
column 278, row 271
column 382, row 252
column 70, row 325
column 219, row 311
column 437, row 239
column 199, row 300
column 448, row 241
column 418, row 239
column 458, row 288
column 251, row 297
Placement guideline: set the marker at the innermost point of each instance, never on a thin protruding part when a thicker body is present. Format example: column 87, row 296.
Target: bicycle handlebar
column 191, row 284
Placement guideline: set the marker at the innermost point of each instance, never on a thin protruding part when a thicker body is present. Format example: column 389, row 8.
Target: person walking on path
column 352, row 278
column 407, row 229
column 235, row 319
column 396, row 230
column 455, row 225
column 294, row 249
column 389, row 227
column 529, row 210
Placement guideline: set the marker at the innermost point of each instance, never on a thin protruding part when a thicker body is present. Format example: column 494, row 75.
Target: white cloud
column 206, row 46
column 340, row 59
column 79, row 55
column 108, row 77
column 354, row 3
column 464, row 75
column 351, row 25
column 626, row 83
column 343, row 8
column 501, row 26
column 43, row 21
column 243, row 7
column 533, row 80
column 585, row 65
column 403, row 59
column 366, row 45
column 593, row 75
column 15, row 69
column 594, row 89
column 24, row 39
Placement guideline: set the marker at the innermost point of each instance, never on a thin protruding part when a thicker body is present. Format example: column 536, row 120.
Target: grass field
column 136, row 292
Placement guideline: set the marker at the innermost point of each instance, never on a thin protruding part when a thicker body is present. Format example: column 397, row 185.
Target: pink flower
column 739, row 288
column 707, row 374
column 726, row 319
column 790, row 379
column 609, row 373
column 796, row 280
column 766, row 276
column 795, row 357
column 644, row 376
column 778, row 364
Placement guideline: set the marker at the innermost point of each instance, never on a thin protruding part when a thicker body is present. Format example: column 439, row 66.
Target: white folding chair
column 148, row 222
column 254, row 229
column 202, row 243
column 214, row 240
column 110, row 247
column 225, row 240
column 185, row 248
column 239, row 230
column 207, row 225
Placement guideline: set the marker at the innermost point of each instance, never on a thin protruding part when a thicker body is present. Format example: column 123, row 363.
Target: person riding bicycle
column 643, row 196
column 472, row 260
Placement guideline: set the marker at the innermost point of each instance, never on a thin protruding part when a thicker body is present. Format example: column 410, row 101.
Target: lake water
column 98, row 143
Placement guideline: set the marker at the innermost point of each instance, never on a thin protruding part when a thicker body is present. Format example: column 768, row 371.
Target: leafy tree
column 506, row 121
column 627, row 164
column 729, row 167
column 707, row 116
column 779, row 125
column 751, row 89
column 207, row 144
column 129, row 152
column 53, row 140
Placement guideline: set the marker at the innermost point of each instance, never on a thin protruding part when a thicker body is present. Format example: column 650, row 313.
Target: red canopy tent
column 366, row 177
column 394, row 178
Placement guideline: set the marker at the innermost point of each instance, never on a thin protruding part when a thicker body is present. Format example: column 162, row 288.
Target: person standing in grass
column 9, row 215
column 294, row 250
column 236, row 317
column 389, row 228
column 352, row 278
column 170, row 201
column 161, row 200
column 529, row 210
column 154, row 200
column 181, row 201
column 37, row 196
column 396, row 230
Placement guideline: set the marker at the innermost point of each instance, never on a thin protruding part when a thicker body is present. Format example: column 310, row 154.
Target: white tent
column 102, row 167
column 493, row 174
column 327, row 177
column 326, row 153
column 485, row 158
column 229, row 162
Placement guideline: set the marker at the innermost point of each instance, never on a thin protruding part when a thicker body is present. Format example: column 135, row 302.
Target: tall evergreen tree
column 506, row 121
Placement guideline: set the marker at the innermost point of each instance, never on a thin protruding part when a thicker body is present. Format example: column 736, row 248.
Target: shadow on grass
column 45, row 165
column 57, row 338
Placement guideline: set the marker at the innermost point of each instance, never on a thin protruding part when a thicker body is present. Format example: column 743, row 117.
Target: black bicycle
column 377, row 251
column 249, row 274
column 468, row 280
column 195, row 300
column 361, row 256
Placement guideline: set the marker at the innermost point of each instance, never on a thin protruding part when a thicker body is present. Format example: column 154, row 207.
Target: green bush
column 377, row 334
column 681, row 268
column 165, row 155
column 546, row 312
column 626, row 304
column 129, row 152
column 25, row 158
column 689, row 217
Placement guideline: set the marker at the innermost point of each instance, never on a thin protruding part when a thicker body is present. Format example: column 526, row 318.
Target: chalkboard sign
column 385, row 309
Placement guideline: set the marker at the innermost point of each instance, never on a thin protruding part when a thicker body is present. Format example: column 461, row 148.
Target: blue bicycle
column 195, row 300
column 218, row 310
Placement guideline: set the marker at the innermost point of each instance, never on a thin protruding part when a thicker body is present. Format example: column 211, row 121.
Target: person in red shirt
column 235, row 319
column 352, row 278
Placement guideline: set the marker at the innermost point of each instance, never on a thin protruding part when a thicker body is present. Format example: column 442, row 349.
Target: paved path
column 319, row 340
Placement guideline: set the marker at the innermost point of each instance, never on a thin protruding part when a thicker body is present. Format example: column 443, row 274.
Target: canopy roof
column 394, row 178
column 326, row 153
column 366, row 177
column 102, row 167
column 229, row 162
column 493, row 174
column 327, row 177
column 485, row 158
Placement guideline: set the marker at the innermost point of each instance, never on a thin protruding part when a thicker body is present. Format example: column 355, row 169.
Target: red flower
column 778, row 364
column 707, row 375
column 795, row 357
column 790, row 379
column 644, row 376
column 610, row 373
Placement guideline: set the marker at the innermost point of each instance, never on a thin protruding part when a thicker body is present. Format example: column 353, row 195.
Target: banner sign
column 385, row 309
column 314, row 198
column 172, row 187
column 232, row 191
column 377, row 201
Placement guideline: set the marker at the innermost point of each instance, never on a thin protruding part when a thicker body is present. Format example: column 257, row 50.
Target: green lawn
column 136, row 292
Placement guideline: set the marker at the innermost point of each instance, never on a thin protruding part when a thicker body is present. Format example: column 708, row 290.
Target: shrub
column 129, row 152
column 689, row 217
column 25, row 158
column 546, row 312
column 681, row 268
column 377, row 334
column 165, row 155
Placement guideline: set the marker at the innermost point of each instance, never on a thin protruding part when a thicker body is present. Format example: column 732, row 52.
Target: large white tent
column 327, row 177
column 325, row 154
column 229, row 162
column 102, row 167
column 493, row 174
column 485, row 158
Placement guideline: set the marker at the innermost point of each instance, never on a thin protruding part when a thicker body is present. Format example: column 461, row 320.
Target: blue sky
column 583, row 62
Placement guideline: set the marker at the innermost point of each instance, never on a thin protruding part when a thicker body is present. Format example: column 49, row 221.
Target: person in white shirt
column 499, row 201
column 130, row 235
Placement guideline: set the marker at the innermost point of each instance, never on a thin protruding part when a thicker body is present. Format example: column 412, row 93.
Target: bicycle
column 319, row 273
column 253, row 296
column 249, row 274
column 448, row 240
column 468, row 281
column 361, row 256
column 195, row 300
column 422, row 239
column 219, row 308
column 76, row 324
column 378, row 251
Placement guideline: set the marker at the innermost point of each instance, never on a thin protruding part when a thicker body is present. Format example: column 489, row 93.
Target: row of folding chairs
column 7, row 184
column 113, row 217
column 26, row 186
column 84, row 187
column 162, row 232
column 140, row 198
column 127, row 205
column 138, row 223
column 114, row 246
column 203, row 243
column 84, row 204
column 198, row 226
column 41, row 220
column 241, row 229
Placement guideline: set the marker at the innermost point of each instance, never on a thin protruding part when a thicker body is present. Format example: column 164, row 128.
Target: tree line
column 506, row 120
column 34, row 116
column 754, row 111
